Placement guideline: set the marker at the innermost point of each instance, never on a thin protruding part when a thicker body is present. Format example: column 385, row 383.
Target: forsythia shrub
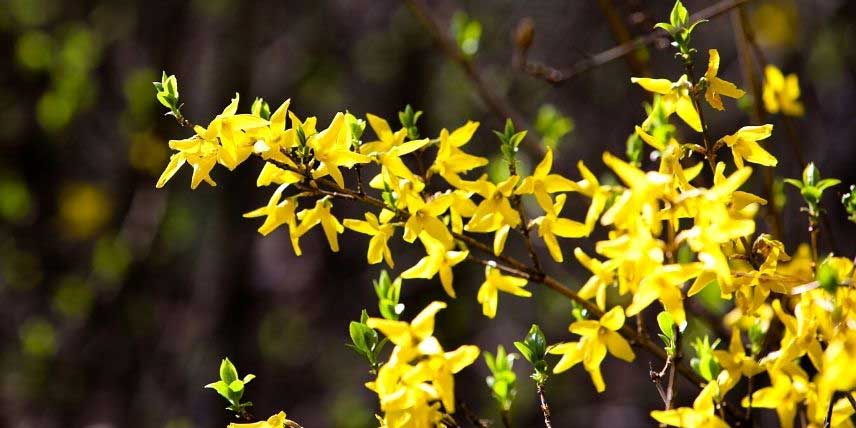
column 672, row 232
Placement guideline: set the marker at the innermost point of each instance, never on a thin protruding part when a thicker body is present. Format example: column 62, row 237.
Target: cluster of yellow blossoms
column 651, row 217
column 419, row 375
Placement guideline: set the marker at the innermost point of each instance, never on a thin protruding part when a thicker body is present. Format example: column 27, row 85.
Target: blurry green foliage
column 467, row 33
column 552, row 125
column 16, row 201
column 73, row 297
column 38, row 338
column 19, row 269
column 32, row 13
column 137, row 87
column 280, row 323
column 110, row 259
column 33, row 50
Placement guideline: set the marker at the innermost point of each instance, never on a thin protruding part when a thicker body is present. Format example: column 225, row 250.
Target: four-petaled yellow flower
column 320, row 214
column 494, row 282
column 380, row 230
column 451, row 161
column 603, row 276
column 541, row 183
column 332, row 148
column 744, row 145
column 550, row 226
column 277, row 213
column 494, row 213
column 675, row 98
column 440, row 259
column 717, row 86
column 598, row 337
column 701, row 415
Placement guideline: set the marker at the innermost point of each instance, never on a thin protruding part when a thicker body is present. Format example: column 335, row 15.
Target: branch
column 494, row 101
column 545, row 409
column 561, row 75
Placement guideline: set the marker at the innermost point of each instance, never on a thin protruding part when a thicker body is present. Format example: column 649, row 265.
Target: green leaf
column 811, row 175
column 827, row 183
column 796, row 183
column 671, row 29
column 237, row 386
column 221, row 387
column 524, row 350
column 248, row 378
column 667, row 324
column 679, row 15
column 228, row 372
column 358, row 336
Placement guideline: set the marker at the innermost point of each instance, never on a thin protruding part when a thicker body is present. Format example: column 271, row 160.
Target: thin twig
column 545, row 409
column 557, row 76
column 472, row 417
column 747, row 65
column 494, row 101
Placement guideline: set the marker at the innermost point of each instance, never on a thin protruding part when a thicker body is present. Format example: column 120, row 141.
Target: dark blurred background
column 118, row 301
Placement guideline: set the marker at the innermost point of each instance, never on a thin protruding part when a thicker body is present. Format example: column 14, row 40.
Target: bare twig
column 472, row 417
column 545, row 409
column 494, row 101
column 557, row 76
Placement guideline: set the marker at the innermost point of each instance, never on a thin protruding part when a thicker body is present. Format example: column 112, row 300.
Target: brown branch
column 561, row 75
column 545, row 408
column 494, row 101
column 622, row 35
column 748, row 69
column 472, row 417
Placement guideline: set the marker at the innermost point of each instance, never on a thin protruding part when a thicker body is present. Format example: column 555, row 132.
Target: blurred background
column 117, row 300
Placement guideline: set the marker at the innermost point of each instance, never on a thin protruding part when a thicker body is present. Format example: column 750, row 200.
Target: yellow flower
column 598, row 337
column 784, row 395
column 590, row 186
column 670, row 159
column 278, row 213
column 541, row 183
column 271, row 140
column 440, row 259
column 386, row 138
column 550, row 225
column 271, row 173
column 676, row 98
column 603, row 276
column 717, row 86
column 735, row 363
column 782, row 93
column 222, row 141
column 380, row 230
column 664, row 284
column 494, row 213
column 392, row 167
column 700, row 415
column 276, row 421
column 451, row 160
column 416, row 335
column 424, row 216
column 744, row 145
column 333, row 150
column 320, row 214
column 440, row 370
column 494, row 282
